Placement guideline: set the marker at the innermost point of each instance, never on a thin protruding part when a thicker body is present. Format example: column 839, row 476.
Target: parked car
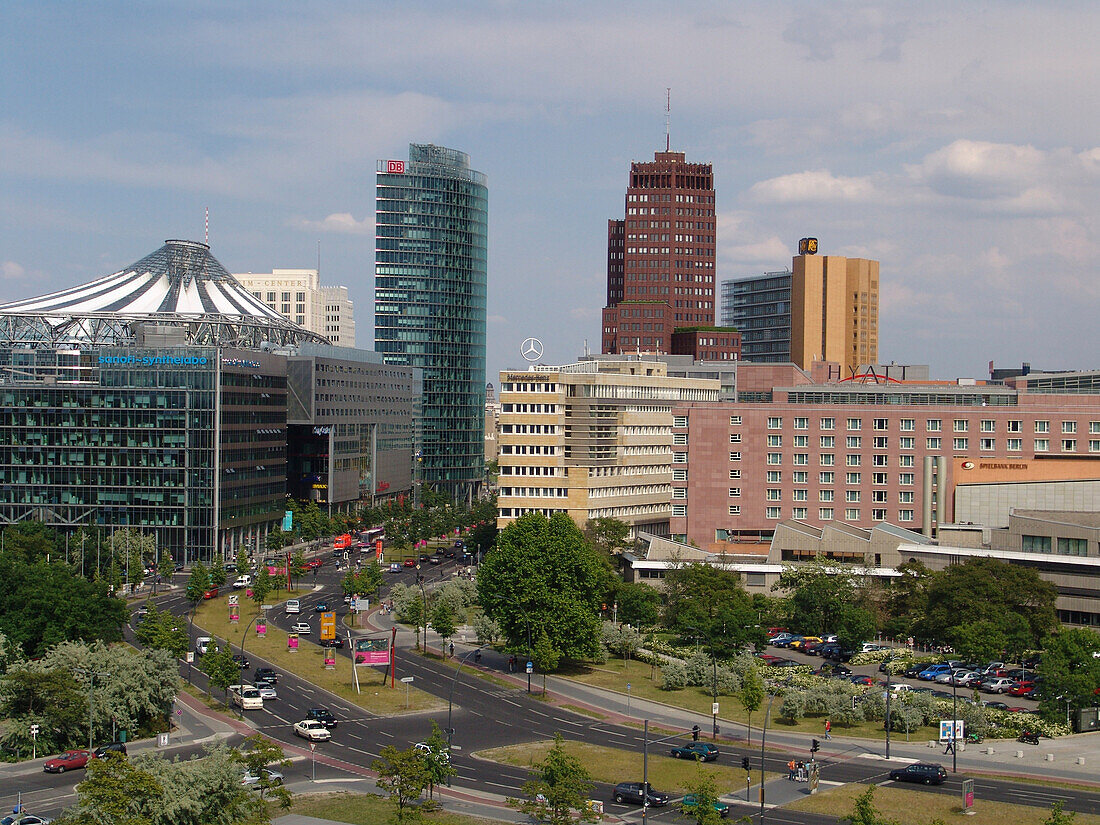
column 301, row 627
column 314, row 564
column 212, row 593
column 914, row 671
column 860, row 679
column 324, row 716
column 689, row 803
column 267, row 674
column 927, row 773
column 801, row 642
column 767, row 658
column 780, row 642
column 634, row 792
column 1022, row 688
column 274, row 777
column 997, row 705
column 785, row 663
column 998, row 684
column 25, row 819
column 702, row 751
column 779, row 638
column 312, row 730
column 67, row 761
column 111, row 747
column 930, row 673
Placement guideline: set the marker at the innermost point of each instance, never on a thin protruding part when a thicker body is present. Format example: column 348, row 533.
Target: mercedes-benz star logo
column 531, row 349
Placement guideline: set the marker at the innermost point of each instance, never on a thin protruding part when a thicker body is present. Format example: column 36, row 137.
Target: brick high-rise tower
column 660, row 258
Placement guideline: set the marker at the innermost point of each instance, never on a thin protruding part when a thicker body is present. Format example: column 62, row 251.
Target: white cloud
column 816, row 186
column 11, row 271
column 977, row 169
column 342, row 222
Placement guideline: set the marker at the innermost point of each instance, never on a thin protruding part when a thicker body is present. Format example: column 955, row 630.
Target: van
column 202, row 644
column 292, row 606
column 246, row 697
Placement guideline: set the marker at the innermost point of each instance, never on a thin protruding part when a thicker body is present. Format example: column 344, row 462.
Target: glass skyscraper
column 429, row 305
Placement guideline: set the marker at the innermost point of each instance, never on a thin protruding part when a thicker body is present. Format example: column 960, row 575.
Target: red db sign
column 396, row 167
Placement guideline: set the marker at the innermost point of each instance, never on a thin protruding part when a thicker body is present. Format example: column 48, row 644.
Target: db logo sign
column 968, row 465
column 396, row 167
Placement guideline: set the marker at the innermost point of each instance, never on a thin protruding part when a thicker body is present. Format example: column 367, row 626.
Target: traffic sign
column 530, row 667
column 714, row 709
column 406, row 679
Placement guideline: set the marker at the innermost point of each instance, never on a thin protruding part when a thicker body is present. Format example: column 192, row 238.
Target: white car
column 274, row 777
column 424, row 749
column 242, row 582
column 996, row 685
column 312, row 730
column 246, row 697
column 293, row 606
column 300, row 627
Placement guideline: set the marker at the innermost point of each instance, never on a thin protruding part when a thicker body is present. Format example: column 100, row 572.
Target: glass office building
column 430, row 290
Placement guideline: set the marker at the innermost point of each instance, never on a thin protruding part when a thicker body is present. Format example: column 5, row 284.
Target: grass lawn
column 617, row 765
column 212, row 618
column 367, row 809
column 645, row 680
column 921, row 808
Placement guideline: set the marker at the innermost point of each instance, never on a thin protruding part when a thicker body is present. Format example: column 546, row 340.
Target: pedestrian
column 790, row 770
column 801, row 771
column 950, row 745
column 452, row 650
column 828, row 729
column 512, row 663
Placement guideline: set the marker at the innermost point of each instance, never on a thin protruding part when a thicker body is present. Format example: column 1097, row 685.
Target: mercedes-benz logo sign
column 531, row 349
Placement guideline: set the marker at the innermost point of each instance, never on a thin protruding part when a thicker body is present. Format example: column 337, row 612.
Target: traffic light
column 815, row 746
column 695, row 733
column 745, row 764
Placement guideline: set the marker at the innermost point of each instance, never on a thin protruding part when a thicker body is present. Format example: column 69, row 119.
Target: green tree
column 241, row 562
column 218, row 575
column 132, row 550
column 437, row 760
column 854, row 625
column 865, row 812
column 560, row 790
column 219, row 667
column 704, row 788
column 259, row 752
column 905, row 599
column 370, row 579
column 262, row 586
column 608, row 535
column 404, row 776
column 297, row 565
column 1069, row 671
column 751, row 695
column 115, row 790
column 444, row 622
column 52, row 700
column 1058, row 816
column 166, row 567
column 197, row 583
column 543, row 574
column 161, row 629
column 639, row 604
column 709, row 604
column 818, row 596
column 276, row 540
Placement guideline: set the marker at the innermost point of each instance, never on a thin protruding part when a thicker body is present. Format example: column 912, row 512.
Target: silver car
column 274, row 777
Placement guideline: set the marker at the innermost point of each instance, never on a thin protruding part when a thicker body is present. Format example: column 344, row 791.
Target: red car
column 1021, row 689
column 410, row 562
column 212, row 593
column 68, row 761
column 313, row 564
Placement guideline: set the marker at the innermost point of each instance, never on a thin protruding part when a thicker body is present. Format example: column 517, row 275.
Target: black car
column 241, row 661
column 632, row 792
column 336, row 641
column 113, row 747
column 914, row 671
column 927, row 773
column 321, row 607
column 435, row 560
column 267, row 674
column 322, row 715
column 701, row 751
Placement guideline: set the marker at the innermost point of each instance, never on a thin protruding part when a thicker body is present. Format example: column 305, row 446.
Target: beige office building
column 298, row 295
column 592, row 439
column 834, row 311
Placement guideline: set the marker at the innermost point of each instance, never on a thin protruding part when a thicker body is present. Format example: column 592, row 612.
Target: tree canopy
column 1069, row 670
column 709, row 604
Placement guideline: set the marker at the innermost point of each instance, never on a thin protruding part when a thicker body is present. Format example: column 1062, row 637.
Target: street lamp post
column 451, row 696
column 889, row 661
column 714, row 684
column 645, row 764
column 423, row 605
column 954, row 716
column 763, row 739
column 527, row 622
column 240, row 681
column 91, row 674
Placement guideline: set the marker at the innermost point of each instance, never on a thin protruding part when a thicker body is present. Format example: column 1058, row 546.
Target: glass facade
column 430, row 293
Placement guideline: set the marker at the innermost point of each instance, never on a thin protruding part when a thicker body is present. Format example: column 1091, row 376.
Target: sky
column 956, row 143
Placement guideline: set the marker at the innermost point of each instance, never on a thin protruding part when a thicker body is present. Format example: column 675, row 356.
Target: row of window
column 932, row 425
column 958, row 444
column 851, row 514
column 850, row 496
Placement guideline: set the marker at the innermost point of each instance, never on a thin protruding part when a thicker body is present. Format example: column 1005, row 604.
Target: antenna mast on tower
column 668, row 117
column 206, row 234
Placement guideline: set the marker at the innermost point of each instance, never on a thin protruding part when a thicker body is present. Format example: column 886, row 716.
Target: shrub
column 673, row 675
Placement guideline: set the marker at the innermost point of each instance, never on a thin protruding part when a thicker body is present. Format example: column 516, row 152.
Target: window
column 775, row 476
column 907, row 442
column 771, row 512
column 854, row 442
column 851, row 514
column 1014, row 445
column 1014, row 426
column 906, row 497
column 825, row 495
column 799, row 495
column 987, row 444
column 905, row 461
column 1042, row 426
column 962, row 425
column 828, row 423
column 679, row 421
column 800, row 459
column 1069, row 427
column 1035, row 544
column 853, row 460
column 825, row 513
column 1069, row 445
column 855, row 424
column 775, row 441
column 735, row 456
column 878, row 515
column 987, row 426
column 882, row 424
column 679, row 492
column 934, row 425
column 852, row 496
column 853, row 478
column 773, row 494
column 800, row 477
column 1073, row 547
column 825, row 477
column 828, row 459
column 908, row 425
column 735, row 421
column 1094, row 445
column 801, row 440
column 1042, row 445
column 679, row 458
column 879, row 496
column 680, row 474
column 961, row 445
column 800, row 513
column 735, row 438
column 735, row 509
column 933, row 443
column 775, row 458
column 905, row 479
column 735, row 492
column 679, row 438
column 679, row 510
column 882, row 442
column 775, row 423
column 880, row 460
column 905, row 515
column 802, row 423
column 735, row 474
column 1094, row 428
column 828, row 442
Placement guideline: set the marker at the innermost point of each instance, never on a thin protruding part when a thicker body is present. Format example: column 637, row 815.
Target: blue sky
column 956, row 143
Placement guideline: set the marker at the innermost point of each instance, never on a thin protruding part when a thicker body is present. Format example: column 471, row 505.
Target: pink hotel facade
column 859, row 454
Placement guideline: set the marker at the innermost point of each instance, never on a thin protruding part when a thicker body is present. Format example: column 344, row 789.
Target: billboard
column 328, row 625
column 372, row 651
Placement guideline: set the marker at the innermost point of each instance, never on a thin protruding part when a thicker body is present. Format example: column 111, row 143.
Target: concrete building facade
column 834, row 311
column 592, row 439
column 298, row 296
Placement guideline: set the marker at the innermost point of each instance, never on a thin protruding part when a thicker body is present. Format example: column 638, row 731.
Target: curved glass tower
column 429, row 303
